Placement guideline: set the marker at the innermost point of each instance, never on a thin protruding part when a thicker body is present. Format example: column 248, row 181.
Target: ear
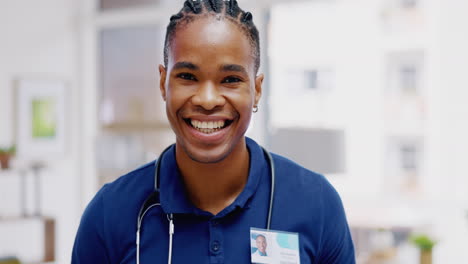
column 162, row 81
column 258, row 88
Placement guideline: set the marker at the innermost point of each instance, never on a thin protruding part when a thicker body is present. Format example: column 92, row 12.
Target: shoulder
column 310, row 196
column 290, row 173
column 310, row 192
column 106, row 220
column 131, row 185
column 119, row 201
column 124, row 192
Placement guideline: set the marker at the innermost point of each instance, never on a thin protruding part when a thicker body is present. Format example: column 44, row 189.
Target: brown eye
column 186, row 76
column 231, row 79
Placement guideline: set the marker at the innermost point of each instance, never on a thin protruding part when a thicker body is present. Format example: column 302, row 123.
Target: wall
column 453, row 40
column 349, row 45
column 40, row 39
column 450, row 181
column 349, row 37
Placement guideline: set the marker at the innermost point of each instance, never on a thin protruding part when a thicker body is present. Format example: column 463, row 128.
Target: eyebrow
column 224, row 68
column 185, row 65
column 233, row 68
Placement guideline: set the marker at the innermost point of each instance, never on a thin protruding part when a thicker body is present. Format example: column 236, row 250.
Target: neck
column 213, row 186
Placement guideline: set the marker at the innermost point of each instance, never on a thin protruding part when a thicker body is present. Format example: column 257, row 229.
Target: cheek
column 176, row 97
column 242, row 98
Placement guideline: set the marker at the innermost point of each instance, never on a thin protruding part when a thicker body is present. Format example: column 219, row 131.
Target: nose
column 208, row 96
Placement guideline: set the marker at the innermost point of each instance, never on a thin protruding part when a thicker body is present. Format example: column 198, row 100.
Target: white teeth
column 207, row 127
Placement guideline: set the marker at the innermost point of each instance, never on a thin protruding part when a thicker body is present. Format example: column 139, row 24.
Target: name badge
column 274, row 247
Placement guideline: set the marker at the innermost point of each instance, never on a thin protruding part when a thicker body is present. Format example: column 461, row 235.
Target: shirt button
column 215, row 246
column 215, row 222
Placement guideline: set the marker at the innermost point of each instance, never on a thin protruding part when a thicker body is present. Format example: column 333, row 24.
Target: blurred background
column 371, row 93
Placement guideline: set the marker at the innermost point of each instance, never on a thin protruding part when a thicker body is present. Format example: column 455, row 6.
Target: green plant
column 423, row 242
column 8, row 150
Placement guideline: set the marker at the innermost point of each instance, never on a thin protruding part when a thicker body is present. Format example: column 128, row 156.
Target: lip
column 208, row 118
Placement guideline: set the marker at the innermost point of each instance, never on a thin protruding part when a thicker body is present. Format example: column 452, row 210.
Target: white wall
column 453, row 39
column 348, row 36
column 40, row 39
column 450, row 182
column 342, row 36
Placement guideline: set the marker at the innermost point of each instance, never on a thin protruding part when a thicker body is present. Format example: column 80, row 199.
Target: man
column 214, row 184
column 261, row 243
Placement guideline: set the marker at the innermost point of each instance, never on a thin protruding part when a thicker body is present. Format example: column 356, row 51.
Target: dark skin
column 210, row 77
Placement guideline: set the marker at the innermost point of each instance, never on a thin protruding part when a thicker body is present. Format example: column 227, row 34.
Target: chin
column 208, row 156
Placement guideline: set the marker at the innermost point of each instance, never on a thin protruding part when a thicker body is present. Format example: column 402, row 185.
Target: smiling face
column 261, row 244
column 210, row 88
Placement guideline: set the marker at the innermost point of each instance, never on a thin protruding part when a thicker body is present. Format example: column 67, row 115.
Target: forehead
column 260, row 238
column 210, row 41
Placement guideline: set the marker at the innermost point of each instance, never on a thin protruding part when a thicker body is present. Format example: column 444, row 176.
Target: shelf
column 23, row 218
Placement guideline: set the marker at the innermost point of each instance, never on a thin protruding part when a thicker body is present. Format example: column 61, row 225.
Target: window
column 405, row 73
column 315, row 80
column 311, row 79
column 404, row 163
column 408, row 76
column 409, row 157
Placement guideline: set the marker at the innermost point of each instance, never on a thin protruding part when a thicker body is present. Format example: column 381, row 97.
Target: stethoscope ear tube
column 272, row 189
column 151, row 201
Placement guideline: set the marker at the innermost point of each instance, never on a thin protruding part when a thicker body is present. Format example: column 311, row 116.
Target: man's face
column 210, row 88
column 261, row 243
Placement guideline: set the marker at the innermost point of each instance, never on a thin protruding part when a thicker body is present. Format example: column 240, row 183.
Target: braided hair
column 228, row 9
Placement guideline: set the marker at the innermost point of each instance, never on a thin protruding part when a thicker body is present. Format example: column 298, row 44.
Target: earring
column 255, row 109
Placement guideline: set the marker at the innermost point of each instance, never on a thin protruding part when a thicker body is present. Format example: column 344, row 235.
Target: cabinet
column 30, row 237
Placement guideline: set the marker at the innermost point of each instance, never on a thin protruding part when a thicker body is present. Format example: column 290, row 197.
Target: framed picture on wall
column 41, row 116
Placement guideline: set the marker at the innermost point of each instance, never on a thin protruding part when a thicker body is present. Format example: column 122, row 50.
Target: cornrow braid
column 192, row 6
column 213, row 6
column 229, row 9
column 247, row 17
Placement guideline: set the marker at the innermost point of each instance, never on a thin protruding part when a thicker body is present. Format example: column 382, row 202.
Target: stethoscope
column 153, row 200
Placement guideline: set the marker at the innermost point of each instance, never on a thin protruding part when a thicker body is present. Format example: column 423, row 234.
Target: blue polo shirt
column 304, row 203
